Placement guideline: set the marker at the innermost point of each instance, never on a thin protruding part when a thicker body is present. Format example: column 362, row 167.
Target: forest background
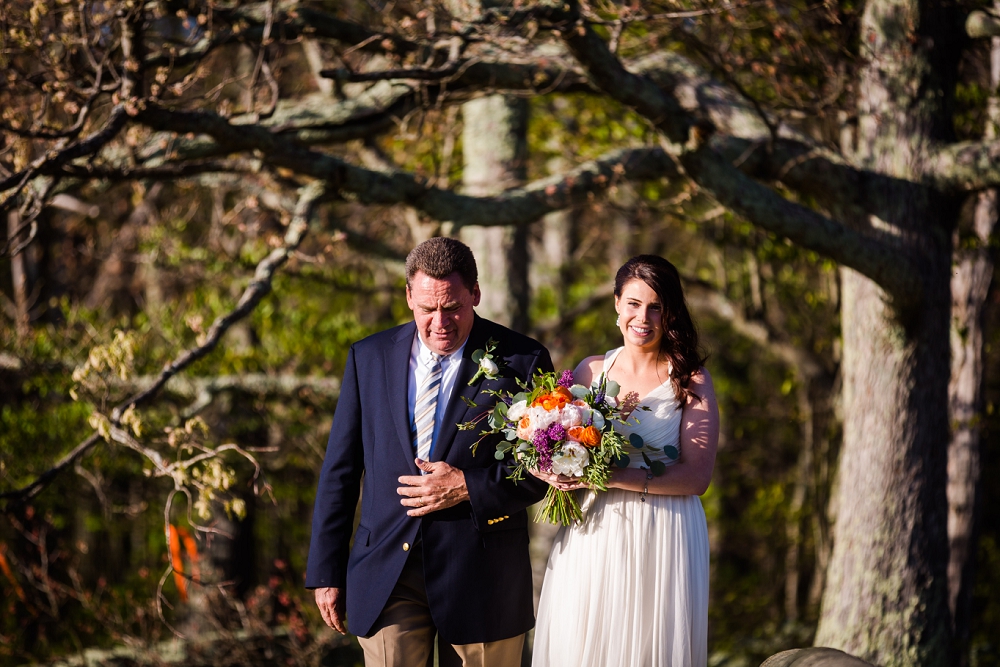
column 207, row 202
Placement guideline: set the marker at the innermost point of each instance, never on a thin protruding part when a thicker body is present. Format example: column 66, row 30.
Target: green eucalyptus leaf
column 520, row 396
column 477, row 356
column 502, row 409
column 635, row 440
column 612, row 389
column 622, row 461
column 499, row 456
column 657, row 468
column 672, row 453
column 645, row 458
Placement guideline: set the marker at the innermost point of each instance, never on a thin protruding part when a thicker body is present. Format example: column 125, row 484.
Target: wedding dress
column 628, row 587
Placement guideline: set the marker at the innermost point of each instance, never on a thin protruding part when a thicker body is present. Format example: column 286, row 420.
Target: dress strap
column 609, row 359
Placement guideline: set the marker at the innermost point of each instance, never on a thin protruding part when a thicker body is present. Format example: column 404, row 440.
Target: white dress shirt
column 420, row 367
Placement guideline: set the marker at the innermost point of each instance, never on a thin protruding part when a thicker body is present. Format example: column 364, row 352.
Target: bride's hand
column 561, row 482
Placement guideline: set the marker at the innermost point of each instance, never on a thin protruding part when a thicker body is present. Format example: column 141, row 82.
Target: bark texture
column 886, row 593
column 495, row 146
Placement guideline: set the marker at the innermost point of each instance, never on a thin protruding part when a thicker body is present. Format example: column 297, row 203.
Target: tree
column 126, row 101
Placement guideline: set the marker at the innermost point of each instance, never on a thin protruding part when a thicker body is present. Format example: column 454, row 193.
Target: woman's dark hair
column 680, row 339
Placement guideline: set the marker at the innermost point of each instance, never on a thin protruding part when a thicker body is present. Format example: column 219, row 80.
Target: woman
column 629, row 586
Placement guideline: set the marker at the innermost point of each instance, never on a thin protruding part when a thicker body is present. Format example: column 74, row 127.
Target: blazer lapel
column 456, row 408
column 397, row 377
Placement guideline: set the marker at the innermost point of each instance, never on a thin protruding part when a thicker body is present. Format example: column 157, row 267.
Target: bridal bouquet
column 564, row 428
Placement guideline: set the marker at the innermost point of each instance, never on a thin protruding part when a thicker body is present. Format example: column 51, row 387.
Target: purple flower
column 545, row 461
column 544, row 449
column 556, row 432
column 566, row 379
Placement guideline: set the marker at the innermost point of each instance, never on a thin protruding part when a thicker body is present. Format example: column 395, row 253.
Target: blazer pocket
column 362, row 537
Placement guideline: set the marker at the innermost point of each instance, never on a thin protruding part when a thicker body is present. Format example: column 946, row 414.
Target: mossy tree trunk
column 886, row 595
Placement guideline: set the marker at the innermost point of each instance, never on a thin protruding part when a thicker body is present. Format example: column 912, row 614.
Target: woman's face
column 641, row 314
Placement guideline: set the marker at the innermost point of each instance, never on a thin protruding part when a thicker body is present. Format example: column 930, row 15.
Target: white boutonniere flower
column 489, row 365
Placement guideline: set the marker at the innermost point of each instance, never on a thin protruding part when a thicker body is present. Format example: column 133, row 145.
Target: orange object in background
column 5, row 567
column 177, row 535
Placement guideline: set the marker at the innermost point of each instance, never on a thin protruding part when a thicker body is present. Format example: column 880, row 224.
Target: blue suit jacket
column 476, row 566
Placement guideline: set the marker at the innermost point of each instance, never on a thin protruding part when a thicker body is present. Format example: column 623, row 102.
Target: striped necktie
column 425, row 409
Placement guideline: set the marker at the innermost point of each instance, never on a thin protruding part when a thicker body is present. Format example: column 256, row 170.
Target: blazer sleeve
column 491, row 494
column 338, row 488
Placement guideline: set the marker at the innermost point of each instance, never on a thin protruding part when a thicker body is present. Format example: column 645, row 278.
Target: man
column 442, row 545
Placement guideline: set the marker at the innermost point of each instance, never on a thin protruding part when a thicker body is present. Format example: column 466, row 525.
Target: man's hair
column 440, row 257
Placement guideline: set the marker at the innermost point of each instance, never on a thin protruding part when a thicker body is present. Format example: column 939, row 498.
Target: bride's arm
column 691, row 475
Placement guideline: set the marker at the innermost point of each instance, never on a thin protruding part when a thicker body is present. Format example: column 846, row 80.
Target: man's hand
column 331, row 605
column 443, row 486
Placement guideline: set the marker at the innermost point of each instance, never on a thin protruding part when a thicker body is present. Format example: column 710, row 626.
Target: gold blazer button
column 406, row 546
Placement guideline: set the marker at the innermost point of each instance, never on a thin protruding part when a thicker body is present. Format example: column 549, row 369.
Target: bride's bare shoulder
column 588, row 369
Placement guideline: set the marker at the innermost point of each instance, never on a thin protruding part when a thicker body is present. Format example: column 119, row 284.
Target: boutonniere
column 489, row 366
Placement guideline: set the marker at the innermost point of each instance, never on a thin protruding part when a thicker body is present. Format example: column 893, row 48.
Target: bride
column 629, row 585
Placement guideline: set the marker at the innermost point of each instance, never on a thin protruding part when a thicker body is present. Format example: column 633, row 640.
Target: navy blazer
column 476, row 566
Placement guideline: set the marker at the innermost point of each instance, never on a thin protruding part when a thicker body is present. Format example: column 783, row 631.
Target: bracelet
column 645, row 487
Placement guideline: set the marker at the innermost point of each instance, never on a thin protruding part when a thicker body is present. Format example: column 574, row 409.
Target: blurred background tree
column 207, row 202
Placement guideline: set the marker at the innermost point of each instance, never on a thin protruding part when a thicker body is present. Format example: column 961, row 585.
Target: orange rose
column 564, row 392
column 551, row 401
column 574, row 433
column 524, row 428
column 590, row 436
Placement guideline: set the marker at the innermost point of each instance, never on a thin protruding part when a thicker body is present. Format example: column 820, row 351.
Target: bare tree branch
column 26, row 493
column 259, row 286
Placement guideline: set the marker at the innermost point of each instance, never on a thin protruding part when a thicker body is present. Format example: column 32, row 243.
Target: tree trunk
column 885, row 597
column 886, row 591
column 972, row 274
column 494, row 137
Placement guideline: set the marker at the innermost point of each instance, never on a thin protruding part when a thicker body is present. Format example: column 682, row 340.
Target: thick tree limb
column 291, row 21
column 965, row 166
column 733, row 189
column 804, row 227
column 639, row 92
column 516, row 206
column 979, row 25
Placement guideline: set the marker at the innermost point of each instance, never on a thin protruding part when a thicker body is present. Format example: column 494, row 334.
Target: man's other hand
column 443, row 486
column 331, row 605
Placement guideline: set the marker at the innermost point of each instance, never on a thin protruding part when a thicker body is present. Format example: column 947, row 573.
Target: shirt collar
column 425, row 356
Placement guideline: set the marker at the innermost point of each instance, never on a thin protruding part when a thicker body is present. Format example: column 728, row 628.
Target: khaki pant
column 403, row 635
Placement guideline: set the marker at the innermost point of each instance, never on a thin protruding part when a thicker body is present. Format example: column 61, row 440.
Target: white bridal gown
column 629, row 586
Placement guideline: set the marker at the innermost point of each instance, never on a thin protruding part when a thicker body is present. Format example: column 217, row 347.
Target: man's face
column 442, row 310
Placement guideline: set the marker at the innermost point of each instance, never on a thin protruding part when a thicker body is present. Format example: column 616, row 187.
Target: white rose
column 598, row 420
column 570, row 460
column 570, row 416
column 517, row 410
column 579, row 391
column 489, row 366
